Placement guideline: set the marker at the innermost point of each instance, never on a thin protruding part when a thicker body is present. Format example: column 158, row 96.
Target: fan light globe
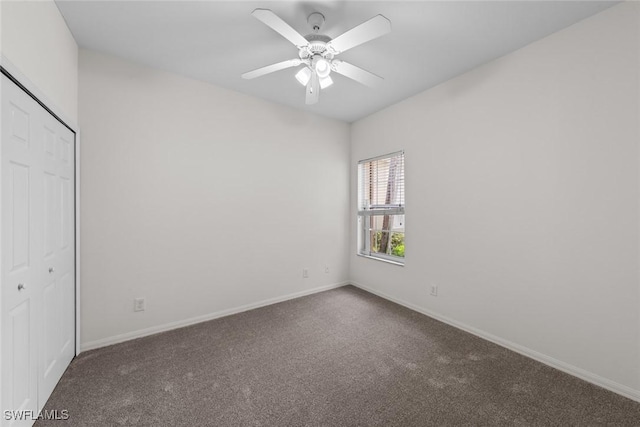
column 322, row 67
column 303, row 76
column 325, row 82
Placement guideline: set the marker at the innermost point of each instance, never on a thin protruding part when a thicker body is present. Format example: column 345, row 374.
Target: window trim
column 363, row 244
column 383, row 258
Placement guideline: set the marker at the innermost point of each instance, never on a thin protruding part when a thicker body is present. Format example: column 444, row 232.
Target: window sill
column 388, row 261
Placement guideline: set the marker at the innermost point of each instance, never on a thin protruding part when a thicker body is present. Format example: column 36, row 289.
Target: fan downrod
column 316, row 20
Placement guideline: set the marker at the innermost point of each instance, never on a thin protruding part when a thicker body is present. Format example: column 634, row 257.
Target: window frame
column 363, row 214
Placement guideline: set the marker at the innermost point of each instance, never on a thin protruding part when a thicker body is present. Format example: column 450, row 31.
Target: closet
column 37, row 292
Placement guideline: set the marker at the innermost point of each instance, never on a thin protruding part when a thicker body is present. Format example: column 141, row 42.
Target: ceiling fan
column 317, row 52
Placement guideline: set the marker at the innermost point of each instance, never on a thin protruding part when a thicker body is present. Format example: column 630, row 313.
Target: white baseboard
column 525, row 351
column 198, row 319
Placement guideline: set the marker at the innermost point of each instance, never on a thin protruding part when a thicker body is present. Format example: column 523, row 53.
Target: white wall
column 200, row 199
column 522, row 198
column 37, row 41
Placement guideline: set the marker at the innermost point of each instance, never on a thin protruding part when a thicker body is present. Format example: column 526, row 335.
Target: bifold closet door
column 37, row 292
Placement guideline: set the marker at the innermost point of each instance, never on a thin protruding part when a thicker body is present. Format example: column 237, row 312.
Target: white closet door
column 37, row 291
column 21, row 166
column 57, row 253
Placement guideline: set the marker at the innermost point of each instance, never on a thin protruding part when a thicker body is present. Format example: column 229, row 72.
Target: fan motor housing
column 317, row 38
column 317, row 46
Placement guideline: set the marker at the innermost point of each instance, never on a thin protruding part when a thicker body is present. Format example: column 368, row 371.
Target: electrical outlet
column 139, row 304
column 305, row 273
column 434, row 290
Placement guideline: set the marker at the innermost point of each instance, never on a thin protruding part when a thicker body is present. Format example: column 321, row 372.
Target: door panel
column 50, row 212
column 65, row 150
column 20, row 320
column 19, row 218
column 51, row 324
column 68, row 316
column 50, row 143
column 65, row 212
column 19, row 124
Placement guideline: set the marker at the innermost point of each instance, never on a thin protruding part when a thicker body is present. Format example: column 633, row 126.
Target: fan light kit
column 317, row 52
column 304, row 75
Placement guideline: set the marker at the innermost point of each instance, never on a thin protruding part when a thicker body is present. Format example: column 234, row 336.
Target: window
column 381, row 207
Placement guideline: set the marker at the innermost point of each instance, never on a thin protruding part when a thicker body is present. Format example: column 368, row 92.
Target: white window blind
column 381, row 206
column 381, row 184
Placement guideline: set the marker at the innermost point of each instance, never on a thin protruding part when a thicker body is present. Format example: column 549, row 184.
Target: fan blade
column 281, row 27
column 373, row 28
column 271, row 68
column 356, row 73
column 313, row 89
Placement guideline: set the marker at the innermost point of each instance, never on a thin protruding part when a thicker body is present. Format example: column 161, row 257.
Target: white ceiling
column 216, row 41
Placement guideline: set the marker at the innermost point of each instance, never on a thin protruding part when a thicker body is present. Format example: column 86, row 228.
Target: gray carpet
column 338, row 358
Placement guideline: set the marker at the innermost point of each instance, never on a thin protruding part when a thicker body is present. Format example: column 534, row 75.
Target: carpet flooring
column 342, row 357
